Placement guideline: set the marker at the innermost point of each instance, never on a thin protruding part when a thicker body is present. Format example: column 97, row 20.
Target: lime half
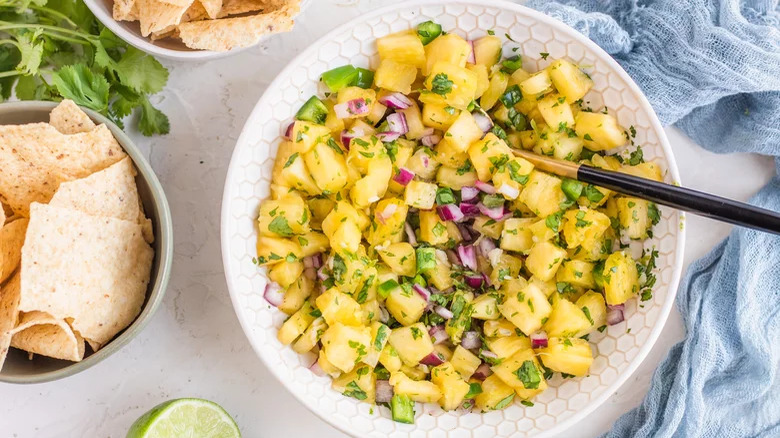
column 185, row 417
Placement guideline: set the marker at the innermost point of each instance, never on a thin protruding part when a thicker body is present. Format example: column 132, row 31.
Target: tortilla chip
column 11, row 241
column 109, row 193
column 156, row 15
column 9, row 313
column 230, row 33
column 194, row 12
column 68, row 118
column 212, row 7
column 125, row 10
column 36, row 158
column 90, row 270
column 41, row 333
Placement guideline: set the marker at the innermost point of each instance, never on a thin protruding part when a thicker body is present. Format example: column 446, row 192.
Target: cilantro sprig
column 56, row 49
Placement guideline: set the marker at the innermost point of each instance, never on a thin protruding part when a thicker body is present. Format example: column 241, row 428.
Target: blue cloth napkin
column 712, row 68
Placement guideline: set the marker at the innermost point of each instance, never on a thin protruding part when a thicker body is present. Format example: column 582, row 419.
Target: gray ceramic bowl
column 18, row 368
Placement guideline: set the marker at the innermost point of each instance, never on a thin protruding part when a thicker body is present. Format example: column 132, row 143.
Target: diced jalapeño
column 387, row 287
column 340, row 77
column 364, row 78
column 428, row 31
column 512, row 64
column 572, row 188
column 313, row 111
column 402, row 408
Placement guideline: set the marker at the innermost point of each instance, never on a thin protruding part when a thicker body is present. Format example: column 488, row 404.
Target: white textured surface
column 194, row 346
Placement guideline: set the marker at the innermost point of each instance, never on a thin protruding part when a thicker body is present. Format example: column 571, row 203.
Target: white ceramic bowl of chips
column 168, row 48
column 18, row 368
column 618, row 351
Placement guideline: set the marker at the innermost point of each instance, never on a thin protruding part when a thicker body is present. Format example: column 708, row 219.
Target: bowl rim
column 165, row 254
column 644, row 105
column 144, row 44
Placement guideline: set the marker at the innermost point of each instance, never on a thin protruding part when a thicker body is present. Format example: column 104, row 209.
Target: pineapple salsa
column 418, row 259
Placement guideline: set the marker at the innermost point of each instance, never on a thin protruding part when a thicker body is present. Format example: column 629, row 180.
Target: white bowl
column 618, row 352
column 168, row 48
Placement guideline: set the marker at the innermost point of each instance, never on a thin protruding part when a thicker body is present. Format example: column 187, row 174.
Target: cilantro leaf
column 153, row 121
column 280, row 226
column 141, row 72
column 80, row 84
column 441, row 84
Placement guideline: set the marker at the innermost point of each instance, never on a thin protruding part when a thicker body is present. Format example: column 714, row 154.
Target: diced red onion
column 505, row 332
column 438, row 334
column 348, row 135
column 441, row 256
column 450, row 212
column 468, row 193
column 486, row 245
column 388, row 137
column 443, row 312
column 470, row 340
column 425, row 293
column 615, row 314
column 486, row 279
column 485, row 187
column 341, row 110
column 496, row 213
column 469, row 210
column 321, row 274
column 482, row 372
column 317, row 369
column 312, row 261
column 404, row 176
column 433, row 359
column 396, row 101
column 465, row 231
column 495, row 256
column 489, row 354
column 426, row 161
column 384, row 391
column 430, row 140
column 483, row 121
column 509, row 191
column 426, row 132
column 468, row 257
column 274, row 294
column 310, row 273
column 410, row 234
column 288, row 132
column 354, row 107
column 474, row 281
column 539, row 339
column 396, row 122
column 472, row 57
column 452, row 257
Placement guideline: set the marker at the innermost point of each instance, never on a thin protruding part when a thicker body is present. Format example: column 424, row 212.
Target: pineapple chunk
column 483, row 80
column 438, row 116
column 448, row 49
column 525, row 305
column 542, row 193
column 327, row 166
column 508, row 345
column 432, row 228
column 465, row 362
column 373, row 186
column 327, row 366
column 271, row 250
column 343, row 211
column 455, row 178
column 363, row 150
column 485, row 152
column 406, row 305
column 419, row 194
column 421, row 391
column 404, row 47
column 487, row 50
column 484, row 307
column 456, row 84
column 345, row 346
column 452, row 386
column 338, row 307
column 601, row 132
column 283, row 217
column 517, row 235
column 412, row 343
column 379, row 336
column 593, row 305
column 495, row 394
column 296, row 324
column 584, row 224
column 463, row 132
column 400, row 257
column 500, row 327
column 544, row 259
column 389, row 359
column 489, row 227
column 538, row 83
column 389, row 218
column 306, row 134
column 421, row 164
column 461, row 320
column 359, row 383
column 296, row 295
column 569, row 80
column 312, row 243
column 311, row 336
column 567, row 355
column 578, row 273
column 448, row 154
column 566, row 320
column 505, row 266
column 351, row 93
column 620, row 278
column 394, row 76
column 510, row 178
column 647, row 170
column 521, row 371
column 637, row 217
column 285, row 273
column 297, row 175
column 555, row 111
column 346, row 236
column 496, row 87
column 414, row 122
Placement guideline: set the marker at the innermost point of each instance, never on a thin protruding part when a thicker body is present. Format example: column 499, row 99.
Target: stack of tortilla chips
column 217, row 25
column 75, row 254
